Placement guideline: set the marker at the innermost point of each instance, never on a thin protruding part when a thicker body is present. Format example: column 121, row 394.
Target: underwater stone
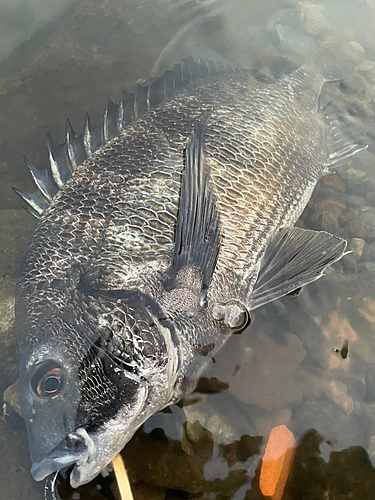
column 210, row 385
column 357, row 244
column 166, row 466
column 9, row 358
column 355, row 173
column 335, row 181
column 143, row 492
column 367, row 221
column 371, row 447
column 356, row 46
column 200, row 439
column 240, row 451
column 10, row 398
column 366, row 65
column 313, row 19
column 369, row 252
column 356, row 201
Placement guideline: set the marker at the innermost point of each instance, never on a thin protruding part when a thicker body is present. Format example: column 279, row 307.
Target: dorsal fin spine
column 56, row 174
column 70, row 136
column 110, row 120
column 87, row 136
column 65, row 158
column 42, row 180
column 120, row 114
column 35, row 200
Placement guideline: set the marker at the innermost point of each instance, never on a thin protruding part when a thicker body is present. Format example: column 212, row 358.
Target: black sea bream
column 158, row 234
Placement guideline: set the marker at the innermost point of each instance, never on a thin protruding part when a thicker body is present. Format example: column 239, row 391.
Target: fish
column 158, row 233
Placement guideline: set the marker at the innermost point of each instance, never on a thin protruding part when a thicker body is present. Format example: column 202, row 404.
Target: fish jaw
column 75, row 448
column 110, row 439
column 90, row 452
column 102, row 453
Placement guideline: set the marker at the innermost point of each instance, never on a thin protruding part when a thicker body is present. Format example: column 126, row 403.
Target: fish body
column 159, row 245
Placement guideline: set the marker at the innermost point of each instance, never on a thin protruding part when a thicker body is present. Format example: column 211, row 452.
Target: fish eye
column 47, row 379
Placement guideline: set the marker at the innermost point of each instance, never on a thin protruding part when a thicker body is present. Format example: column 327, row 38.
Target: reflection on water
column 307, row 360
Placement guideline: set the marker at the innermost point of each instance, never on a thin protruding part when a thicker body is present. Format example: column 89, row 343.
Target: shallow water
column 291, row 366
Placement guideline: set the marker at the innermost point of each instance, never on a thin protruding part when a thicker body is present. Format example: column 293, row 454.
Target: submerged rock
column 241, row 450
column 8, row 344
column 357, row 47
column 167, row 465
column 10, row 399
column 348, row 474
column 366, row 65
column 313, row 18
column 357, row 245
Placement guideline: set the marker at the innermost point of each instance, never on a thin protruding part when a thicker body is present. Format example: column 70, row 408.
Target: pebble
column 313, row 18
column 216, row 468
column 366, row 65
column 367, row 221
column 357, row 245
column 10, row 398
column 370, row 189
column 371, row 447
column 345, row 51
column 350, row 263
column 356, row 46
column 9, row 364
column 359, row 109
column 370, row 390
column 356, row 85
column 369, row 252
column 142, row 491
column 355, row 173
column 356, row 201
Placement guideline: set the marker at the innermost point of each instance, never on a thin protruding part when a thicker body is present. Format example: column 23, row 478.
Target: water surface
column 307, row 360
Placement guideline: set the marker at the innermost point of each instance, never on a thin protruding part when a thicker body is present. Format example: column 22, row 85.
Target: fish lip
column 76, row 476
column 75, row 450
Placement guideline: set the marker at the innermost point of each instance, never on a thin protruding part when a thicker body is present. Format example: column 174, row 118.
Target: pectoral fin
column 294, row 257
column 197, row 240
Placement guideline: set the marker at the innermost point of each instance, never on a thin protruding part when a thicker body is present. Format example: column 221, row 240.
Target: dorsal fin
column 125, row 110
column 65, row 158
column 42, row 180
column 92, row 137
column 35, row 201
column 59, row 162
column 75, row 147
column 110, row 120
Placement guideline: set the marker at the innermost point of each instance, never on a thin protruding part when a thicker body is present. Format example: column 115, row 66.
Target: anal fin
column 345, row 142
column 294, row 257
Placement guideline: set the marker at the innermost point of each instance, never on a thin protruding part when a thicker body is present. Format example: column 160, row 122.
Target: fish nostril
column 73, row 440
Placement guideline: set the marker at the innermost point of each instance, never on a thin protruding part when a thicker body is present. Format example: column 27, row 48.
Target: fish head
column 49, row 391
column 83, row 397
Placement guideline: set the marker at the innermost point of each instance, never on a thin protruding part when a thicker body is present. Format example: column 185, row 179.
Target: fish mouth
column 75, row 450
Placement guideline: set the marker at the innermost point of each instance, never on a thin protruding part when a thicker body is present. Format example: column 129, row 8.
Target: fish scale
column 159, row 244
column 256, row 196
